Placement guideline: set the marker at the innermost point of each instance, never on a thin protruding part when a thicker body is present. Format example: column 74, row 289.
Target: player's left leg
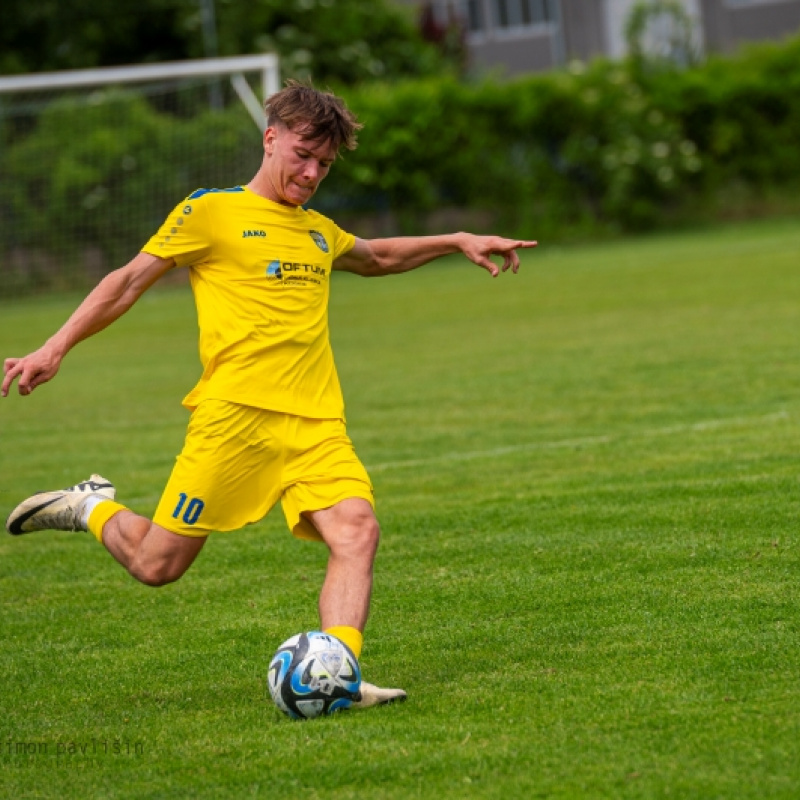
column 351, row 532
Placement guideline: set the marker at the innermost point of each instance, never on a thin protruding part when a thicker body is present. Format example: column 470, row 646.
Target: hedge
column 604, row 146
column 609, row 146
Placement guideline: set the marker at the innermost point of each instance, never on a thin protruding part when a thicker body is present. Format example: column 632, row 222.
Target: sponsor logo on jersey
column 296, row 272
column 319, row 240
column 248, row 234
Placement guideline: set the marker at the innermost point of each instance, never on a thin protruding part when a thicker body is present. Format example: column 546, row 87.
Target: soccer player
column 267, row 420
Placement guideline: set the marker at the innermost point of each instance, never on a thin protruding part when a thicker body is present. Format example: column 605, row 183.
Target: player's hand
column 480, row 250
column 32, row 371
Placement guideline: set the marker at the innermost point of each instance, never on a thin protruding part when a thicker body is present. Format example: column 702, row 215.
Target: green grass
column 587, row 477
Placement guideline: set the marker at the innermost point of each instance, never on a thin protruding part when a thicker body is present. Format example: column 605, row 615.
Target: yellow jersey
column 260, row 273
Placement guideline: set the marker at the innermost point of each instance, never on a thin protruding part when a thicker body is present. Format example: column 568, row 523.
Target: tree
column 338, row 41
column 53, row 35
column 344, row 41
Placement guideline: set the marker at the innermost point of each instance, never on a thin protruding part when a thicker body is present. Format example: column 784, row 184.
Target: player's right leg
column 150, row 553
column 224, row 478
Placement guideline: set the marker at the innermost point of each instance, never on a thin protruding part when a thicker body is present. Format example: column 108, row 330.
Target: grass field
column 587, row 477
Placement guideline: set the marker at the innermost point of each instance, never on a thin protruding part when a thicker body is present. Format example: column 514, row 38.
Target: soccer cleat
column 371, row 695
column 61, row 510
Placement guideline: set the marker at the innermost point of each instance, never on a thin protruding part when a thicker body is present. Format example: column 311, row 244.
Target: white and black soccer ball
column 313, row 674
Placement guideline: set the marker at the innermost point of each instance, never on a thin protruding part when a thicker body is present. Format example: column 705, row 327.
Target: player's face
column 295, row 166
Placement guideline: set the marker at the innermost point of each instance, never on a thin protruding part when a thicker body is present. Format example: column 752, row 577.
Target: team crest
column 319, row 240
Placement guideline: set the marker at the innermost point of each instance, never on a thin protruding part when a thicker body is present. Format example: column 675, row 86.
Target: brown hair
column 318, row 116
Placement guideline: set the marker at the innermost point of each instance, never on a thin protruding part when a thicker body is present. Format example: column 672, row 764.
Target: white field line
column 588, row 441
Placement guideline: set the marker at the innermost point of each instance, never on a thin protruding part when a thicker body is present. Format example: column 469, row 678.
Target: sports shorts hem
column 303, row 528
column 195, row 534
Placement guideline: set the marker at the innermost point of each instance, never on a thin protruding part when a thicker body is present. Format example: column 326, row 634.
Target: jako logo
column 248, row 234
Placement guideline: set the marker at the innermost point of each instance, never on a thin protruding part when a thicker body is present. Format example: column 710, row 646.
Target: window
column 468, row 13
column 736, row 3
column 502, row 13
column 475, row 19
column 521, row 13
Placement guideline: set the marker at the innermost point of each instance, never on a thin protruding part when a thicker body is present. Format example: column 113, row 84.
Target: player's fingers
column 487, row 264
column 30, row 377
column 510, row 259
column 514, row 256
column 12, row 368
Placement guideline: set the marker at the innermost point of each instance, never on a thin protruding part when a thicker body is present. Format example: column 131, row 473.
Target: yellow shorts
column 238, row 461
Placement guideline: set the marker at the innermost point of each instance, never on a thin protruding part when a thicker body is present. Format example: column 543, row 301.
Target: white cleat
column 371, row 695
column 61, row 510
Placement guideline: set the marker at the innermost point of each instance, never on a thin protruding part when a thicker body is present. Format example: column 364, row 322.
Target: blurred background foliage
column 339, row 41
column 600, row 147
column 587, row 150
column 115, row 159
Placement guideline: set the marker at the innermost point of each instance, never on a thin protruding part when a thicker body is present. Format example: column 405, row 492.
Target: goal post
column 91, row 161
column 233, row 67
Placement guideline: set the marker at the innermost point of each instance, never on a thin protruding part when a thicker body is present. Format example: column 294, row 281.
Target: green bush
column 744, row 114
column 604, row 147
column 94, row 180
column 563, row 148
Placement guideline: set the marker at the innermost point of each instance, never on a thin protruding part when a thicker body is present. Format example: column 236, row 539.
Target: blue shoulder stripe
column 201, row 192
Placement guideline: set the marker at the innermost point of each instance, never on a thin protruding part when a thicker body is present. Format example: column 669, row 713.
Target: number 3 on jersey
column 192, row 511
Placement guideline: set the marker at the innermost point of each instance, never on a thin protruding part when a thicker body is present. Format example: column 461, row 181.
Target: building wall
column 512, row 46
column 509, row 54
column 730, row 23
column 585, row 29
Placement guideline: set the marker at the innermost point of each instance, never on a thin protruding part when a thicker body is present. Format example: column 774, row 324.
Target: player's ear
column 269, row 140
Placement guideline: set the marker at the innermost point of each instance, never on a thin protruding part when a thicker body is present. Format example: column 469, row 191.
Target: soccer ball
column 313, row 674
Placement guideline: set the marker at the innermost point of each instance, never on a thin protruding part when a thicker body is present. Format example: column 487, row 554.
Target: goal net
column 91, row 161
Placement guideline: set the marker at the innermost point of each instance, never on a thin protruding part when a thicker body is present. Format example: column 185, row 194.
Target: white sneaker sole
column 59, row 510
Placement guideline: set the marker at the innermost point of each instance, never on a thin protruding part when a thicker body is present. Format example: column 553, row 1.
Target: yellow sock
column 101, row 514
column 352, row 637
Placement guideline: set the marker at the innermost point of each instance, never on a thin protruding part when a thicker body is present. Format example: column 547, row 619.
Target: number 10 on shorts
column 191, row 510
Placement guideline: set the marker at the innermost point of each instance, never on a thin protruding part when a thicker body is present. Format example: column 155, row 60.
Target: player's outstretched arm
column 375, row 257
column 108, row 301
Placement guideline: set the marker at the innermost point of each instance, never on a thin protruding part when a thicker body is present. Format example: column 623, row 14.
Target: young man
column 267, row 414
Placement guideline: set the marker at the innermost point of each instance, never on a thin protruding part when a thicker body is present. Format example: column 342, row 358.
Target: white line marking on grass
column 587, row 441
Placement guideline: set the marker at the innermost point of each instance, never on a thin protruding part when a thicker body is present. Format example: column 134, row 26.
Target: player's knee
column 360, row 535
column 155, row 574
column 371, row 534
column 163, row 557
